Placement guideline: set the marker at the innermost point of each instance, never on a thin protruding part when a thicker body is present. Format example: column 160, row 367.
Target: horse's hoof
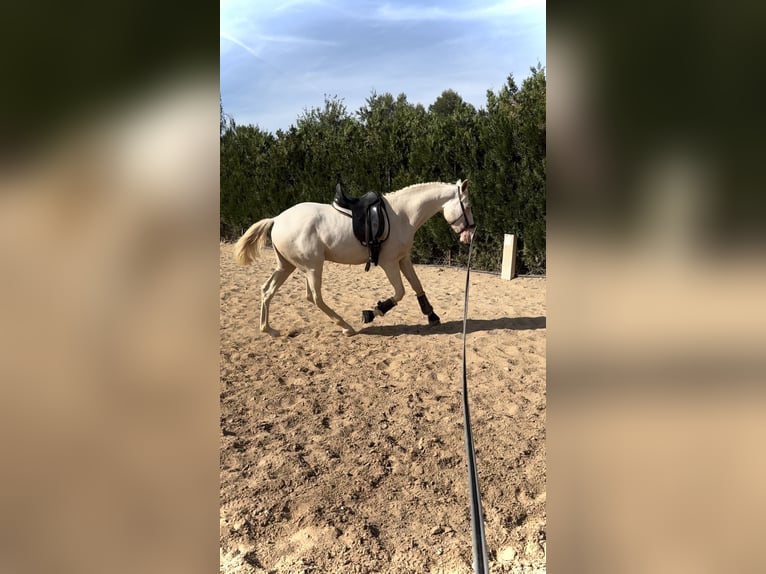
column 270, row 331
column 433, row 319
column 367, row 316
column 349, row 332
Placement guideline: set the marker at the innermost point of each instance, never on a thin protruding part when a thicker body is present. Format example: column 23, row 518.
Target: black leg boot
column 425, row 307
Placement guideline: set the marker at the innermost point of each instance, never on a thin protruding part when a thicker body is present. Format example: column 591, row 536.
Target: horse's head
column 457, row 212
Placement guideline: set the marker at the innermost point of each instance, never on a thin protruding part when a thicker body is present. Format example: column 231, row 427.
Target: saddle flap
column 374, row 223
column 369, row 219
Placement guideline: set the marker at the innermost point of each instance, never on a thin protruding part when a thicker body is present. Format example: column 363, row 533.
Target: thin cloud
column 297, row 40
column 241, row 44
column 289, row 4
column 242, row 21
column 507, row 8
column 261, row 41
column 279, row 58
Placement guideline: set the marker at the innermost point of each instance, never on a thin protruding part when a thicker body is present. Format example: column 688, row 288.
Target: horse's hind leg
column 314, row 290
column 409, row 273
column 270, row 287
column 309, row 295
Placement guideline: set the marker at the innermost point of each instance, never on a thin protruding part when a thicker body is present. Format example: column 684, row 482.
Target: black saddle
column 369, row 220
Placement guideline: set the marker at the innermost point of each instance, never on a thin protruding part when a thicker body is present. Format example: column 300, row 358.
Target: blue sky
column 280, row 57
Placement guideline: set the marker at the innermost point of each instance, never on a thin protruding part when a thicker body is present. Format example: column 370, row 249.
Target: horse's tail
column 247, row 247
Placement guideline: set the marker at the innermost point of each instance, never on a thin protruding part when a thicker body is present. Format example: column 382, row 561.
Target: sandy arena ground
column 346, row 454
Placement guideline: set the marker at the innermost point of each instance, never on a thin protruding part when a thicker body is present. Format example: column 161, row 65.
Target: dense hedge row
column 389, row 144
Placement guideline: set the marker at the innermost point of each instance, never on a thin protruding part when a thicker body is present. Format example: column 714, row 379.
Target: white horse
column 308, row 234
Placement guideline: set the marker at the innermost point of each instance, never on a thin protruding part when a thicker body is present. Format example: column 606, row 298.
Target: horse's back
column 308, row 233
column 296, row 224
column 306, row 212
column 302, row 219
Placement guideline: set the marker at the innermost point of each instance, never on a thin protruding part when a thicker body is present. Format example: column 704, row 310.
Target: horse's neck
column 418, row 203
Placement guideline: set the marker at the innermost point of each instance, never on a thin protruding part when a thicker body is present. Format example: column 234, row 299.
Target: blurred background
column 109, row 257
column 656, row 277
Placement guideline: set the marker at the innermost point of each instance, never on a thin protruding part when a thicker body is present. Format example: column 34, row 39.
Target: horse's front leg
column 409, row 272
column 382, row 307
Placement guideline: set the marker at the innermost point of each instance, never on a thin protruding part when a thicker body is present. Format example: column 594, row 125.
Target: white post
column 509, row 257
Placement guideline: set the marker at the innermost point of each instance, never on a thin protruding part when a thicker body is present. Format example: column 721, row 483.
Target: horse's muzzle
column 466, row 235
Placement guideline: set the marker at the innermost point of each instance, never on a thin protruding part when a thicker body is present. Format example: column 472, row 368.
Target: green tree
column 447, row 151
column 245, row 152
column 390, row 143
column 512, row 175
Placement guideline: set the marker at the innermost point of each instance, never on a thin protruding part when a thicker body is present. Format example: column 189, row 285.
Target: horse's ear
column 464, row 186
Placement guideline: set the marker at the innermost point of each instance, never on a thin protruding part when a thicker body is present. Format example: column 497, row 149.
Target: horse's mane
column 410, row 187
